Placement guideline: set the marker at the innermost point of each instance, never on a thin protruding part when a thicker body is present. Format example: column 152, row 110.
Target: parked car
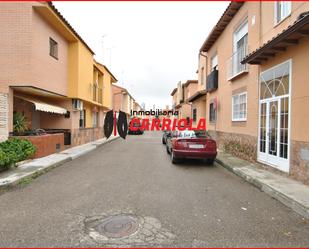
column 191, row 144
column 137, row 129
column 164, row 136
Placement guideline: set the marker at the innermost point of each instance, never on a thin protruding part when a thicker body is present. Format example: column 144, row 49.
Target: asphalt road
column 186, row 205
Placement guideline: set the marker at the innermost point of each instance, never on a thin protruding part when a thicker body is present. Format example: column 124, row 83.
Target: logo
column 117, row 121
column 166, row 124
column 112, row 123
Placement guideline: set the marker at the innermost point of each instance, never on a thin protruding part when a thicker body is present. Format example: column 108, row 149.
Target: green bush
column 5, row 160
column 15, row 150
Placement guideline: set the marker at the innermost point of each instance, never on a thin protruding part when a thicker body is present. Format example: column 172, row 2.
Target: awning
column 43, row 107
column 289, row 36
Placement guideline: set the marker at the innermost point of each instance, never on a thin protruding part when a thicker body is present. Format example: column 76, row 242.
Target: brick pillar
column 4, row 116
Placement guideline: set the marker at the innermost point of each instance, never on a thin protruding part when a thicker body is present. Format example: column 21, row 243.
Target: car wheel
column 167, row 150
column 173, row 158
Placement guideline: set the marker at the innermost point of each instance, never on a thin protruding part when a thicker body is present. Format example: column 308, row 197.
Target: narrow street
column 190, row 204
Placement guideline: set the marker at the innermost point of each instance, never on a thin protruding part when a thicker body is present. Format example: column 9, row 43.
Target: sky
column 148, row 46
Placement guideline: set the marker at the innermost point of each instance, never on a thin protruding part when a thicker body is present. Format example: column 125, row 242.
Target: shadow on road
column 194, row 163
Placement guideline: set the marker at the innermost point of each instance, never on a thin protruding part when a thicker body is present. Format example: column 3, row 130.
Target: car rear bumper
column 195, row 154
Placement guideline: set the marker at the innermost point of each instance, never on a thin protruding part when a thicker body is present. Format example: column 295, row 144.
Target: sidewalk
column 290, row 192
column 38, row 166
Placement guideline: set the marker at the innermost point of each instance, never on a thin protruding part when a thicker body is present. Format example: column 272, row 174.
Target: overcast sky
column 149, row 46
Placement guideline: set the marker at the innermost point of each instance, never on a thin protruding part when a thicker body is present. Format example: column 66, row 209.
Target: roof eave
column 68, row 25
column 270, row 48
column 223, row 22
column 197, row 95
column 173, row 92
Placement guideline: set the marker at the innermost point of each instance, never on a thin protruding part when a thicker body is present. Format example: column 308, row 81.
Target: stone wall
column 86, row 135
column 240, row 145
column 245, row 147
column 299, row 167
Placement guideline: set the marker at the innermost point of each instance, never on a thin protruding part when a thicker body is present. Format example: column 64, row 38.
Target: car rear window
column 193, row 134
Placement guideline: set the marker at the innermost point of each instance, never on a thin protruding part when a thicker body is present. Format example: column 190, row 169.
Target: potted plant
column 20, row 123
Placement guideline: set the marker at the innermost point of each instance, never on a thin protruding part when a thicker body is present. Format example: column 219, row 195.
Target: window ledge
column 281, row 21
column 239, row 120
column 238, row 75
column 54, row 56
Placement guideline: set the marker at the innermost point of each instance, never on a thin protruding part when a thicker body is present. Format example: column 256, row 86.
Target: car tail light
column 211, row 144
column 180, row 143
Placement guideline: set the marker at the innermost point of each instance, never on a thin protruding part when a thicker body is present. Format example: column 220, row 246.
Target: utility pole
column 102, row 43
column 110, row 56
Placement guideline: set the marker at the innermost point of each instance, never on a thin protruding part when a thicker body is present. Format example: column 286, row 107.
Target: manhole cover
column 117, row 226
column 124, row 230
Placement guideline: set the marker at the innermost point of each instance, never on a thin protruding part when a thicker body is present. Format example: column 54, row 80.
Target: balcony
column 212, row 81
column 234, row 66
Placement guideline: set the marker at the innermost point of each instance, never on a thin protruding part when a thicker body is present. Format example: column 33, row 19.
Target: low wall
column 46, row 144
column 245, row 147
column 86, row 135
column 240, row 145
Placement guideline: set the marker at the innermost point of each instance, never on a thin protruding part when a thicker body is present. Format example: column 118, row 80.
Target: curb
column 279, row 196
column 60, row 158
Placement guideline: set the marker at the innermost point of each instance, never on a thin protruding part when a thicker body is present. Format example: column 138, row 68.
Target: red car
column 191, row 144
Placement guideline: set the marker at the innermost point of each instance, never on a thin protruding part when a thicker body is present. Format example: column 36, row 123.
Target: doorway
column 274, row 117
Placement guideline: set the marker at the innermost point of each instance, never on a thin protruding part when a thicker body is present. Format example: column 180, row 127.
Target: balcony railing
column 234, row 66
column 100, row 95
column 212, row 81
column 94, row 92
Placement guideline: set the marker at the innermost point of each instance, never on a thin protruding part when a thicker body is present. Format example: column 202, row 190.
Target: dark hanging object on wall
column 108, row 124
column 67, row 115
column 122, row 125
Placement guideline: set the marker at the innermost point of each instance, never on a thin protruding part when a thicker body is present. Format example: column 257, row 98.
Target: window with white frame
column 214, row 62
column 240, row 37
column 282, row 10
column 240, row 48
column 239, row 107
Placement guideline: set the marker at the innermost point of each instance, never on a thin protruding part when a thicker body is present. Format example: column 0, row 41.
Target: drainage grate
column 117, row 226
